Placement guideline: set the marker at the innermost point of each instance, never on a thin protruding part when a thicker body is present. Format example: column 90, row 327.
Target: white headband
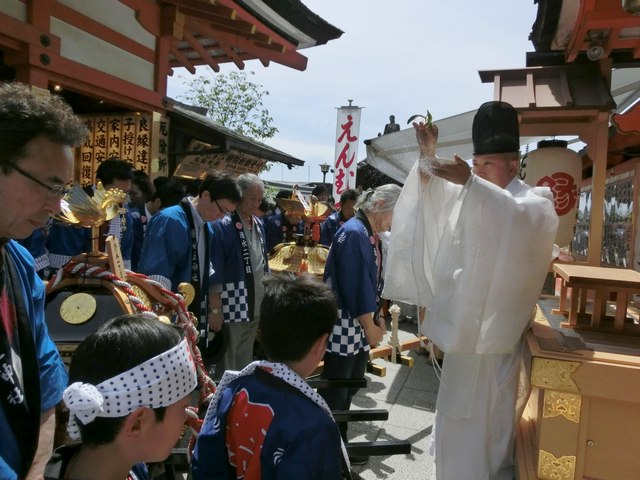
column 158, row 382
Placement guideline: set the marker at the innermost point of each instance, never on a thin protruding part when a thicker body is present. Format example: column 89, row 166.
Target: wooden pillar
column 597, row 148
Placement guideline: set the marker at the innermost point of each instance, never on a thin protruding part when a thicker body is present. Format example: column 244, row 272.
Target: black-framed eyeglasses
column 58, row 191
column 222, row 210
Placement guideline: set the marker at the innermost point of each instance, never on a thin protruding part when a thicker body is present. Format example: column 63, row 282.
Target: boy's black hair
column 142, row 181
column 319, row 190
column 266, row 205
column 220, row 185
column 161, row 180
column 284, row 193
column 114, row 169
column 192, row 185
column 170, row 193
column 295, row 312
column 119, row 345
column 349, row 195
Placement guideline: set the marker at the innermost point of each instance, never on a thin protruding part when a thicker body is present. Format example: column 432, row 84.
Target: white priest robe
column 476, row 257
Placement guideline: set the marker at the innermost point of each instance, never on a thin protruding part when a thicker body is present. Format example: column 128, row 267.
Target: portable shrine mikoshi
column 304, row 254
column 94, row 287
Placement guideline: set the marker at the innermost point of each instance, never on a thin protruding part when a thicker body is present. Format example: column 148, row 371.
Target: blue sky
column 394, row 58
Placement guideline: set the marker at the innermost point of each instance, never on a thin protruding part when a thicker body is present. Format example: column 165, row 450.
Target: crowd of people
column 129, row 382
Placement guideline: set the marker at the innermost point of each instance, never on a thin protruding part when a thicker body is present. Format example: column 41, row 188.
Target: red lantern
column 555, row 166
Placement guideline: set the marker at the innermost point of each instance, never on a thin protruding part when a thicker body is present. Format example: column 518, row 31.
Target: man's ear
column 514, row 165
column 205, row 195
column 157, row 203
column 138, row 422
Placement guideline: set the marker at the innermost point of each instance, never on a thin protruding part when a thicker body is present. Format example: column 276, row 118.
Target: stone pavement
column 409, row 395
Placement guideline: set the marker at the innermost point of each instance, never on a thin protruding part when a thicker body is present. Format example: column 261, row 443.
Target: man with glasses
column 37, row 131
column 177, row 241
column 239, row 259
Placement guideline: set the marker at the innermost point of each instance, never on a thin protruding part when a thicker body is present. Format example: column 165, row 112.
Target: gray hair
column 248, row 180
column 387, row 195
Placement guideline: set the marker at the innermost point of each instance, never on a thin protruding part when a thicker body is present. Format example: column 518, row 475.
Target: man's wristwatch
column 215, row 310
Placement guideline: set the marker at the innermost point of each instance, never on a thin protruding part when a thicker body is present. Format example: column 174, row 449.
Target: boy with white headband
column 266, row 422
column 130, row 383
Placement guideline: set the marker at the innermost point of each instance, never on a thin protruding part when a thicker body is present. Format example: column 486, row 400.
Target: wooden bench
column 377, row 448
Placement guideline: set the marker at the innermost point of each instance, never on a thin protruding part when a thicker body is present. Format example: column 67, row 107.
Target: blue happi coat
column 64, row 241
column 329, row 227
column 290, row 434
column 352, row 272
column 166, row 252
column 229, row 270
column 279, row 230
column 53, row 375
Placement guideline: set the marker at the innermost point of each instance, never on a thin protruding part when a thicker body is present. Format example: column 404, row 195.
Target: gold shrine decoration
column 78, row 208
column 566, row 404
column 556, row 468
column 287, row 257
column 554, row 374
column 139, row 138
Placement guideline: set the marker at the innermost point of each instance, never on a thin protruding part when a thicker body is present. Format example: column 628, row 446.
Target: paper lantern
column 555, row 166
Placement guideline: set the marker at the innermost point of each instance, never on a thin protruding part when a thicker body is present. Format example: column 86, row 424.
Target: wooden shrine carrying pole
column 394, row 348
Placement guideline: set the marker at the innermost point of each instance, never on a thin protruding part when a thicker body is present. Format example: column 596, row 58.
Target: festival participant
column 239, row 260
column 167, row 195
column 140, row 194
column 475, row 249
column 266, row 422
column 333, row 222
column 167, row 255
column 130, row 383
column 320, row 192
column 177, row 243
column 283, row 224
column 265, row 209
column 36, row 164
column 353, row 270
column 64, row 241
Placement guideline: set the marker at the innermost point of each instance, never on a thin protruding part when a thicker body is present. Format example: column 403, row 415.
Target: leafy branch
column 427, row 118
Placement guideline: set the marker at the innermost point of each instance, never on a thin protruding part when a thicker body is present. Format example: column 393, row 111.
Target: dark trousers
column 337, row 367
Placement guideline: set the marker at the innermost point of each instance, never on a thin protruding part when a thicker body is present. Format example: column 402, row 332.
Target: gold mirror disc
column 78, row 308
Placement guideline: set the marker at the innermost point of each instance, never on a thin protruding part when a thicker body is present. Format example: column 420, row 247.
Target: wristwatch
column 215, row 310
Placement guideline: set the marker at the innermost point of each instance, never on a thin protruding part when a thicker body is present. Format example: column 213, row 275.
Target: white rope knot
column 84, row 402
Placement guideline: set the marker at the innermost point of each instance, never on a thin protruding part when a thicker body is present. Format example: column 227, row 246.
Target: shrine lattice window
column 617, row 247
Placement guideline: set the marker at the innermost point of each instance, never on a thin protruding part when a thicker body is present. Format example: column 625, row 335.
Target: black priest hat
column 495, row 129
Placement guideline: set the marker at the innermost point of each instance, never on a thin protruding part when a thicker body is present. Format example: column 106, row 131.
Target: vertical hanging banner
column 160, row 144
column 143, row 143
column 346, row 155
column 129, row 138
column 114, row 137
column 86, row 155
column 100, row 136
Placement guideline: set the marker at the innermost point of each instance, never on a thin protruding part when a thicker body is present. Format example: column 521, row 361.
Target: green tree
column 235, row 102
